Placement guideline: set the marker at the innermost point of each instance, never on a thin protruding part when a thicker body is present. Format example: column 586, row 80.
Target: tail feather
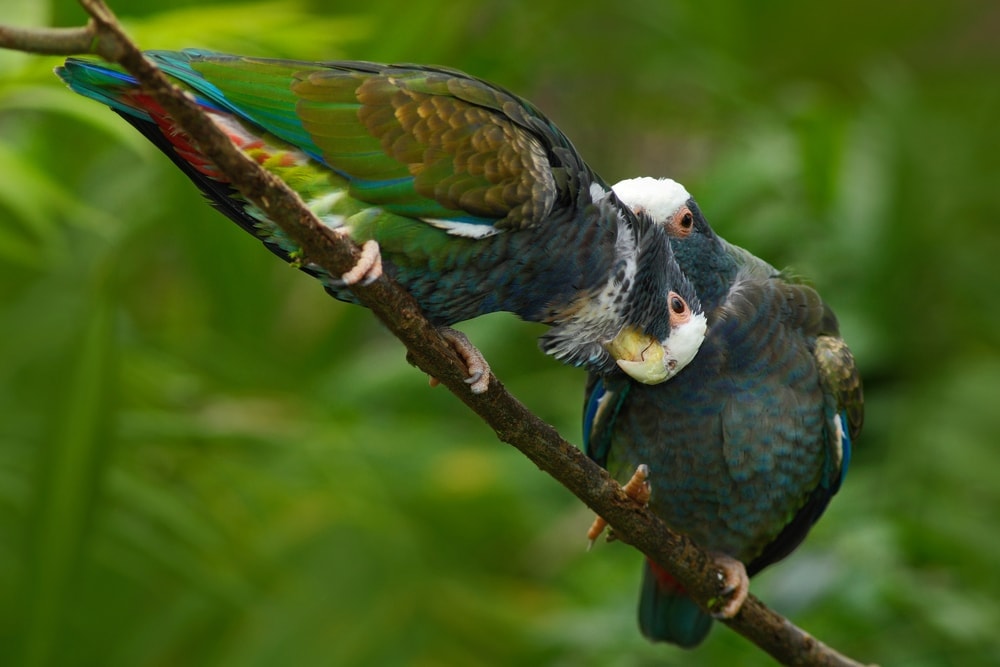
column 122, row 93
column 666, row 613
column 102, row 83
column 109, row 85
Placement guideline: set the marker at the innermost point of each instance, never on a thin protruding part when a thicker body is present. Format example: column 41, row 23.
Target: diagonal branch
column 511, row 420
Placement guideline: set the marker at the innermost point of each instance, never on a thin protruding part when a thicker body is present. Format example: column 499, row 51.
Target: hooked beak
column 641, row 356
column 650, row 361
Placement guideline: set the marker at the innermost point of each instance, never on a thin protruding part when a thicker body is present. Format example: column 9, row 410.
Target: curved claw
column 595, row 531
column 479, row 371
column 636, row 488
column 734, row 586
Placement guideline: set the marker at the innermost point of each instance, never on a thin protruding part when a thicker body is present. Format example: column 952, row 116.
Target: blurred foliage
column 206, row 461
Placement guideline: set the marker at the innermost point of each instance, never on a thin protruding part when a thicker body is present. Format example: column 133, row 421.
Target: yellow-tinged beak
column 641, row 356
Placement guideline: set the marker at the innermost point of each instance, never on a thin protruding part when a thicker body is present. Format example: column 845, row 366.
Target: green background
column 206, row 461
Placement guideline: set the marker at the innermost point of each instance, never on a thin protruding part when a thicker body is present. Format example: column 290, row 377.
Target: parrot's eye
column 682, row 223
column 680, row 311
column 677, row 304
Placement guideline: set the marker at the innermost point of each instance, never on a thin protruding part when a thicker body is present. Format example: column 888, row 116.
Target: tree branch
column 50, row 41
column 511, row 420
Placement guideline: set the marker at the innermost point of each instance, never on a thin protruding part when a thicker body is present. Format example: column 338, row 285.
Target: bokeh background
column 206, row 461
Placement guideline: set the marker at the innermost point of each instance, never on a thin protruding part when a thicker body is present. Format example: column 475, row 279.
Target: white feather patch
column 598, row 193
column 602, row 405
column 606, row 301
column 659, row 198
column 470, row 230
column 686, row 339
column 838, row 441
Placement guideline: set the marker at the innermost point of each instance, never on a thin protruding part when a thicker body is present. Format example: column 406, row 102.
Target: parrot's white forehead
column 659, row 198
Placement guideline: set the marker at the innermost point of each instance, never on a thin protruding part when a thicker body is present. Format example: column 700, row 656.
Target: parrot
column 744, row 447
column 464, row 193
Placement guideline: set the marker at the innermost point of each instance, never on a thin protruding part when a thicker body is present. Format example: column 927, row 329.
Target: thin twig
column 511, row 420
column 49, row 41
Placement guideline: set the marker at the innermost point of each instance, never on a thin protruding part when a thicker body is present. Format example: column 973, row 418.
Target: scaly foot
column 368, row 268
column 734, row 586
column 637, row 488
column 479, row 371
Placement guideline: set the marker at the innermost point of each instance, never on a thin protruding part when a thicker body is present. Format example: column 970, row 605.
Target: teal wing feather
column 818, row 400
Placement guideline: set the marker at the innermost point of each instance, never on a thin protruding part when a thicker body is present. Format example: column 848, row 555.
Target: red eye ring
column 677, row 304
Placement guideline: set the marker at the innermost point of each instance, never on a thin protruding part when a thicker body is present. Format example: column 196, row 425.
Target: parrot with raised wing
column 464, row 193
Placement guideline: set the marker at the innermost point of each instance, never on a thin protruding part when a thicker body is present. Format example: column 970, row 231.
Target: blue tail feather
column 669, row 615
column 101, row 83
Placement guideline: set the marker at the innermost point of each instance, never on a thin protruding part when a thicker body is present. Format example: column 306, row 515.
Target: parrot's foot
column 637, row 488
column 734, row 586
column 368, row 268
column 479, row 371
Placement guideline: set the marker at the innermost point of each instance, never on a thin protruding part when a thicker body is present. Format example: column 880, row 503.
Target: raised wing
column 421, row 142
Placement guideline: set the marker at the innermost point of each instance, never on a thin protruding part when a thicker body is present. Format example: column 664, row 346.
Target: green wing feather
column 421, row 142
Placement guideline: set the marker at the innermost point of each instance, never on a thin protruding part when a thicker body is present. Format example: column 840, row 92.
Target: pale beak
column 641, row 356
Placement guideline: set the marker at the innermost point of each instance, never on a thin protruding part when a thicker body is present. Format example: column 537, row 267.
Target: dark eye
column 677, row 305
column 681, row 224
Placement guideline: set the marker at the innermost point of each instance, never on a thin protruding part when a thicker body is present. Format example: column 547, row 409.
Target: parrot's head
column 666, row 326
column 672, row 207
column 696, row 246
